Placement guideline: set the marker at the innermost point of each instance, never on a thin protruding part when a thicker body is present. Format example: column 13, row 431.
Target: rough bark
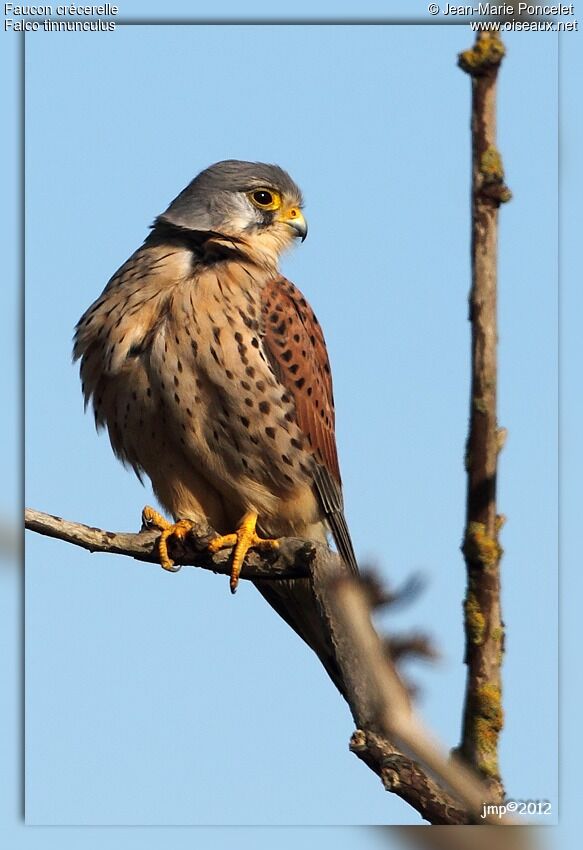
column 291, row 560
column 484, row 629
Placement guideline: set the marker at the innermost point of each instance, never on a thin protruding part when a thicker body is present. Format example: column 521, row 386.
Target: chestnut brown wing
column 294, row 344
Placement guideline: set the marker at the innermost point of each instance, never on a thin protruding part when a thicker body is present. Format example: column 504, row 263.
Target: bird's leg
column 243, row 539
column 178, row 530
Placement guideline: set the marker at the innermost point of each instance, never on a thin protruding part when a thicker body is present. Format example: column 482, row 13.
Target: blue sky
column 373, row 124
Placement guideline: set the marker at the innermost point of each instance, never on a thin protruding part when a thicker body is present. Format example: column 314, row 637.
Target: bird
column 209, row 370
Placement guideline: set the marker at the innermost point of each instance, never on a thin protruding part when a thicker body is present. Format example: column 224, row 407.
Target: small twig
column 484, row 628
column 290, row 561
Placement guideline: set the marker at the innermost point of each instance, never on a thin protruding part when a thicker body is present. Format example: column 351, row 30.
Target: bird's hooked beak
column 294, row 218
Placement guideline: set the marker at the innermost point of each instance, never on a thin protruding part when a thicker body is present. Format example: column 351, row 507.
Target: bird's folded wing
column 294, row 344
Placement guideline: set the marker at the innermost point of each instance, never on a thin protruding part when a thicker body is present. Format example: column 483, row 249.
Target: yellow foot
column 243, row 539
column 178, row 530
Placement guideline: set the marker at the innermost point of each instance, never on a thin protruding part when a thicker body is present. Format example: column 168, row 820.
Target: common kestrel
column 209, row 370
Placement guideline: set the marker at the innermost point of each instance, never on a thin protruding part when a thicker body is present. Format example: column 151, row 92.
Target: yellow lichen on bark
column 480, row 548
column 491, row 164
column 487, row 52
column 488, row 720
column 475, row 622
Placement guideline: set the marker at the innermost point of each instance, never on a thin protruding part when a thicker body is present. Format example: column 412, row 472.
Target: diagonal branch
column 391, row 734
column 482, row 721
column 408, row 775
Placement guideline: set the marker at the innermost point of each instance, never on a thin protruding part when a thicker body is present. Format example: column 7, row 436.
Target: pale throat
column 264, row 247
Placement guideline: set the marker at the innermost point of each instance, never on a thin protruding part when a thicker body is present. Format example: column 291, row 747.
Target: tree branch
column 484, row 629
column 406, row 775
column 291, row 560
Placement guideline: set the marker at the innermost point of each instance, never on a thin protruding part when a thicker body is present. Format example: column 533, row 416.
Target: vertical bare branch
column 483, row 717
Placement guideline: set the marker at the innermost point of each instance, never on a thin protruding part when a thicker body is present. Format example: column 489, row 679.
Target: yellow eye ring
column 265, row 199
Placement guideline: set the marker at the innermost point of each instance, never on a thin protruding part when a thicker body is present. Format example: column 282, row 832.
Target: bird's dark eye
column 263, row 198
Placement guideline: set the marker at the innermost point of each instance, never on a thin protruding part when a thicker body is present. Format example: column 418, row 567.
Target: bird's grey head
column 241, row 199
